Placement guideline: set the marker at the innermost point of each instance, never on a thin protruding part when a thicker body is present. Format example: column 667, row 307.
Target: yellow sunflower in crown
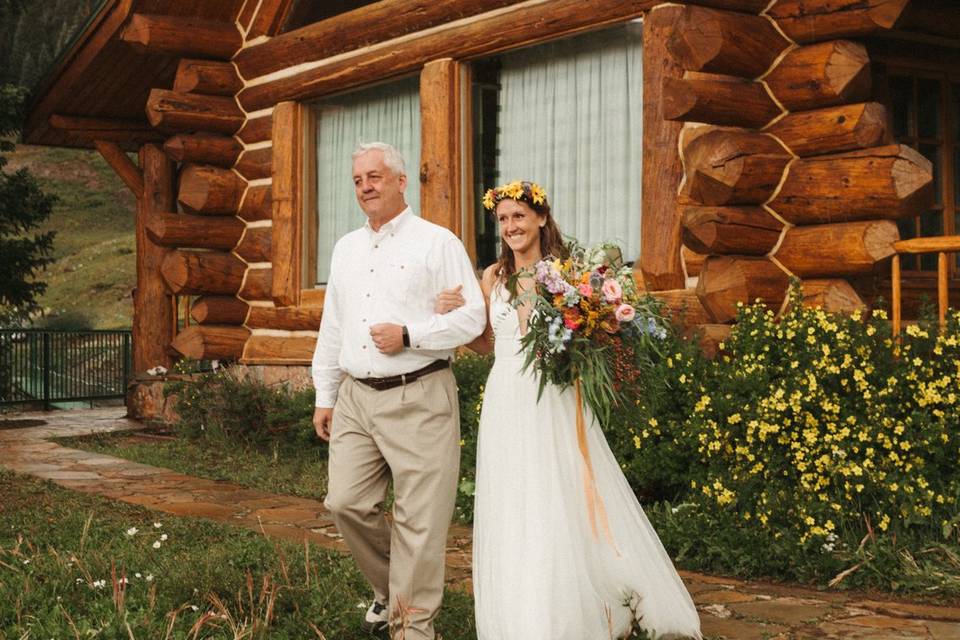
column 516, row 190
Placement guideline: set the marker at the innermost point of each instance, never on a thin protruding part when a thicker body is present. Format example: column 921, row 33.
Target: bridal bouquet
column 590, row 327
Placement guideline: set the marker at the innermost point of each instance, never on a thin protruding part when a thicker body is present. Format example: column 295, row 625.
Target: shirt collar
column 393, row 225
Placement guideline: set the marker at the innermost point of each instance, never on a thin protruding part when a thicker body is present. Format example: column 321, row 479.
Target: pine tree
column 23, row 208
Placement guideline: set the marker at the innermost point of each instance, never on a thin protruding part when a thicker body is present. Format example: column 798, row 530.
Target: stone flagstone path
column 729, row 608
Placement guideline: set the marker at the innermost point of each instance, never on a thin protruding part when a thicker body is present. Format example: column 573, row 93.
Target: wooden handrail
column 928, row 245
column 941, row 245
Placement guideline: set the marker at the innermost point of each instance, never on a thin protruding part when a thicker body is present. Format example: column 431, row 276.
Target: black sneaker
column 377, row 620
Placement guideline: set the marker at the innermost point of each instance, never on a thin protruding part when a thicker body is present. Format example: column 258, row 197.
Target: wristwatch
column 406, row 337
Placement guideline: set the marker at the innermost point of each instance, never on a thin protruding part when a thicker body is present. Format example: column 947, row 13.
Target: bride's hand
column 449, row 299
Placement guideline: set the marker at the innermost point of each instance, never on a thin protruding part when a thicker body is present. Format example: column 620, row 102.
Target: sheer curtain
column 570, row 120
column 385, row 113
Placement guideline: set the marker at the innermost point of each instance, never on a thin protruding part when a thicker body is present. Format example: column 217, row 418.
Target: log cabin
column 727, row 145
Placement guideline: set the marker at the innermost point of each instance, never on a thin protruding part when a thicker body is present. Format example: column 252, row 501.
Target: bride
column 540, row 571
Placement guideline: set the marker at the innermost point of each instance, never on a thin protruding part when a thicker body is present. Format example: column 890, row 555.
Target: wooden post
column 943, row 287
column 440, row 102
column 287, row 204
column 895, row 285
column 152, row 321
column 660, row 222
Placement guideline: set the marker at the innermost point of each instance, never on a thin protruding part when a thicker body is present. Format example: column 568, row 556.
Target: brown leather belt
column 382, row 384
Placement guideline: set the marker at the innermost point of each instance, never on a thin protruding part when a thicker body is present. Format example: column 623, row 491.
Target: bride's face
column 519, row 225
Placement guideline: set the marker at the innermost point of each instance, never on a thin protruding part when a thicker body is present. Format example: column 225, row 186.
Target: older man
column 386, row 397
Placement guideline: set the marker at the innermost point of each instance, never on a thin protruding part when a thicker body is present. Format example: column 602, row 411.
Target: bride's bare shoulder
column 489, row 278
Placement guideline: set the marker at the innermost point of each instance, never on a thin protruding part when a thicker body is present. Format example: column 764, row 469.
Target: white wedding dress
column 539, row 571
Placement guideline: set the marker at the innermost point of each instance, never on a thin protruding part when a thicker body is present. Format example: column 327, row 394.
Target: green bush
column 471, row 372
column 218, row 405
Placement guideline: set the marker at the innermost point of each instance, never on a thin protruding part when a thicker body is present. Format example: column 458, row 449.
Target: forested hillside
column 32, row 37
column 90, row 280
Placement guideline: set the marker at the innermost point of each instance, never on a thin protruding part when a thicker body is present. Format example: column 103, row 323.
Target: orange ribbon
column 595, row 506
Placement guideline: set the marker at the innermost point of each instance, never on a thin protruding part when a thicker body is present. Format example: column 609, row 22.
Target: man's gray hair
column 391, row 157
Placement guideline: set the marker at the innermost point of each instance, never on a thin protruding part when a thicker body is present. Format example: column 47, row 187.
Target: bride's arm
column 450, row 299
column 483, row 343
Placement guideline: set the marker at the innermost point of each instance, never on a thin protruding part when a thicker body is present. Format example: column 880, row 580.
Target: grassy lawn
column 289, row 470
column 80, row 566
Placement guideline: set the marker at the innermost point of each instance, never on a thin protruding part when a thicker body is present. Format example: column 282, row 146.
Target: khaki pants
column 411, row 432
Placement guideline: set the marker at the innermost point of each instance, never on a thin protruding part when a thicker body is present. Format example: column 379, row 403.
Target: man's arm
column 325, row 367
column 460, row 326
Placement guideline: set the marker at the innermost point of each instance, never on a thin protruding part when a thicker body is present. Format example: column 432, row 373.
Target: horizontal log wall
column 797, row 176
column 795, row 151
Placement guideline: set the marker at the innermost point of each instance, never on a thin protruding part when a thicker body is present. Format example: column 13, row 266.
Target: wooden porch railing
column 941, row 245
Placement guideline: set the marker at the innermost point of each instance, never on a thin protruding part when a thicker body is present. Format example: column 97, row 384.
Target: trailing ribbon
column 595, row 507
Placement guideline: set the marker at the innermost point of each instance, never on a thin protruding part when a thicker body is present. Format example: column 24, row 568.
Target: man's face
column 379, row 190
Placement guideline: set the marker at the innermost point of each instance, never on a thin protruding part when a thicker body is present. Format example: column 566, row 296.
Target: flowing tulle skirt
column 540, row 572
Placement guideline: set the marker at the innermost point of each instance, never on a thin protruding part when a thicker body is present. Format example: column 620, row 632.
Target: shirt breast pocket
column 406, row 280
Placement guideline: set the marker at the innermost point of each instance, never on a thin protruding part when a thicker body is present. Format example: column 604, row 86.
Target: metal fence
column 39, row 366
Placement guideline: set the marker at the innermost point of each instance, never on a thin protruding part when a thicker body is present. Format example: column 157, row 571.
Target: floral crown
column 517, row 190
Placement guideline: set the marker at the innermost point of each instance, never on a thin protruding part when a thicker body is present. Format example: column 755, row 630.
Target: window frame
column 926, row 61
column 446, row 155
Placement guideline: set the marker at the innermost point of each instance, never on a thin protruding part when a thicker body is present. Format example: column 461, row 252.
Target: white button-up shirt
column 393, row 275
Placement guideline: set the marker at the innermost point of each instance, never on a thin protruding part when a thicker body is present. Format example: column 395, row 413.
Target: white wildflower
column 132, row 531
column 156, row 545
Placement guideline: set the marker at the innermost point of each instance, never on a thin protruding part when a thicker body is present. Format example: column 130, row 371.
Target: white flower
column 27, row 561
column 137, row 575
column 163, row 537
column 79, row 581
column 157, row 371
column 132, row 531
column 157, row 525
column 149, row 577
column 156, row 545
column 99, row 584
column 195, row 607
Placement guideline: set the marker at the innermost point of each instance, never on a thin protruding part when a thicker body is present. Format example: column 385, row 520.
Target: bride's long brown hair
column 551, row 241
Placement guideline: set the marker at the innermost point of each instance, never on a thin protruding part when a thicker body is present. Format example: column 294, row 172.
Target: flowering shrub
column 814, row 422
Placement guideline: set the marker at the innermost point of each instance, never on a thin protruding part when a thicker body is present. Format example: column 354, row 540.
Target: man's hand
column 449, row 299
column 322, row 420
column 388, row 337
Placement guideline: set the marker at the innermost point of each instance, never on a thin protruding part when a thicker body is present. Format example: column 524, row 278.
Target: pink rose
column 585, row 290
column 611, row 291
column 625, row 313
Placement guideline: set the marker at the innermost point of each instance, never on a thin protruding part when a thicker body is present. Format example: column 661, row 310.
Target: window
column 925, row 112
column 388, row 113
column 568, row 115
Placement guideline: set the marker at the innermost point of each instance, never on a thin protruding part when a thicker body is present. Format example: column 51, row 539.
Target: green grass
column 289, row 470
column 95, row 268
column 64, row 557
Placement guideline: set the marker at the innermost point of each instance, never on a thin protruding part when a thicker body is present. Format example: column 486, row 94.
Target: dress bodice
column 505, row 322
